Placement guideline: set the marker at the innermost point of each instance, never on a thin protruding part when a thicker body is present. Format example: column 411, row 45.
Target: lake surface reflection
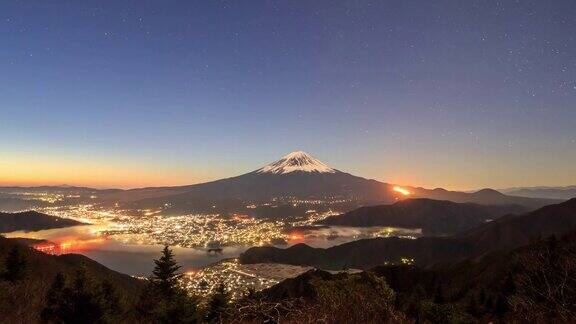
column 120, row 253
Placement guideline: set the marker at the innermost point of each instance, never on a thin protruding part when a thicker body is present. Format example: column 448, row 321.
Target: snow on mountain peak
column 296, row 161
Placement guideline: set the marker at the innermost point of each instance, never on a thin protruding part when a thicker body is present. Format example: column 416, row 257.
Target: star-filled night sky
column 454, row 94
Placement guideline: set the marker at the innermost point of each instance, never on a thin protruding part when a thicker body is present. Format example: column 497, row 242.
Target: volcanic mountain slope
column 434, row 217
column 299, row 175
column 505, row 233
column 32, row 221
column 296, row 175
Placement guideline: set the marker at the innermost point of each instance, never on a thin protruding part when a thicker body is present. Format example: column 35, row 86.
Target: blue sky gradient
column 443, row 93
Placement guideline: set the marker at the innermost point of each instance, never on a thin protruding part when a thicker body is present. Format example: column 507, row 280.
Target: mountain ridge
column 296, row 175
column 32, row 221
column 300, row 175
column 434, row 217
column 503, row 234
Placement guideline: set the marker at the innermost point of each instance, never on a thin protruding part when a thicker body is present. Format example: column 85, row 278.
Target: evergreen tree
column 217, row 304
column 16, row 264
column 163, row 300
column 508, row 289
column 82, row 301
column 110, row 300
column 55, row 307
column 165, row 275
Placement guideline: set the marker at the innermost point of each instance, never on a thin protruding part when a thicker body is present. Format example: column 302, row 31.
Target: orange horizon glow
column 29, row 169
column 48, row 171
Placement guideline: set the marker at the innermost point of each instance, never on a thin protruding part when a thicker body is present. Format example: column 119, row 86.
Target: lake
column 120, row 253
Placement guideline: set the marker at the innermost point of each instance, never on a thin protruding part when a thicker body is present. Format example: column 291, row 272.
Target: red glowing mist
column 67, row 245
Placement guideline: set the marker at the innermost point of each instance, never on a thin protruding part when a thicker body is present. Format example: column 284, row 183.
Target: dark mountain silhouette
column 503, row 234
column 22, row 302
column 516, row 230
column 32, row 221
column 481, row 288
column 434, row 217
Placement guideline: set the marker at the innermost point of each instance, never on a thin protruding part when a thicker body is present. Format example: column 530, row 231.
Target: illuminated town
column 209, row 232
column 238, row 278
column 202, row 231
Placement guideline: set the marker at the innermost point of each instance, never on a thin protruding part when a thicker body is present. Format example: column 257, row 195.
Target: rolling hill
column 503, row 234
column 434, row 217
column 22, row 302
column 32, row 221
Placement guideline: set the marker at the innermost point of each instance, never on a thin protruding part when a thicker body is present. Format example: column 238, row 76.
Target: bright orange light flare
column 296, row 236
column 403, row 191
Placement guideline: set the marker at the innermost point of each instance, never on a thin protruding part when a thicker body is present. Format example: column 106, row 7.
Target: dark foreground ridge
column 533, row 283
column 27, row 276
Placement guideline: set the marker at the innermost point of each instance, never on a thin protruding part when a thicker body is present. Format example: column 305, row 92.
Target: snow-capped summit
column 296, row 161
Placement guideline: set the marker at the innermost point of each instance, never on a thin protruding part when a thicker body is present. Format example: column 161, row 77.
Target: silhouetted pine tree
column 55, row 306
column 508, row 289
column 165, row 275
column 82, row 301
column 15, row 264
column 163, row 300
column 217, row 304
column 110, row 300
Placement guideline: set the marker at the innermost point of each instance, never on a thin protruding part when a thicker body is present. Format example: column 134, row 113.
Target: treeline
column 82, row 298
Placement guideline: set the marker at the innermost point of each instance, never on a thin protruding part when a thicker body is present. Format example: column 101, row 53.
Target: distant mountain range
column 32, row 221
column 502, row 234
column 434, row 217
column 297, row 175
column 543, row 192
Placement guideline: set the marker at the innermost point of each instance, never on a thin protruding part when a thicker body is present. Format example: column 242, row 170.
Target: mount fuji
column 297, row 162
column 300, row 176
